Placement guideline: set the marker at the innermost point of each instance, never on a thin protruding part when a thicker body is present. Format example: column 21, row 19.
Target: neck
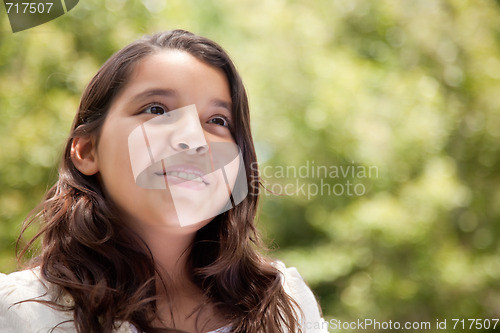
column 180, row 299
column 181, row 304
column 170, row 250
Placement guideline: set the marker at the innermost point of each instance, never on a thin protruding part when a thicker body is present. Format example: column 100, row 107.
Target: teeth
column 184, row 175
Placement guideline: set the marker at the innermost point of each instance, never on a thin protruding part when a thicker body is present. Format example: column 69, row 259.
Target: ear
column 83, row 155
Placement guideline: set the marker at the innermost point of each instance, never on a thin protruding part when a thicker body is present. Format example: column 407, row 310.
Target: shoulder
column 294, row 285
column 21, row 285
column 18, row 313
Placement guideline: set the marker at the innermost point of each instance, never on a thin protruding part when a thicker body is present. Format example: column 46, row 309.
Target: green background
column 409, row 88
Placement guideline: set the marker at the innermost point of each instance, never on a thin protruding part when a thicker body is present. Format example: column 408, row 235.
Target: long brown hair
column 109, row 271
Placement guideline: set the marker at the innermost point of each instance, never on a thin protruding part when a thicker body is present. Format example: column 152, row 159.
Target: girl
column 150, row 226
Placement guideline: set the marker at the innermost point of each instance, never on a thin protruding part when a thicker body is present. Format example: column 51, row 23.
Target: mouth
column 183, row 173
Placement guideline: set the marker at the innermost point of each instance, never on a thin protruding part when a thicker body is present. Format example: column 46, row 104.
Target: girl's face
column 165, row 154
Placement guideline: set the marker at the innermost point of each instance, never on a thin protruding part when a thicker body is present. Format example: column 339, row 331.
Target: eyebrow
column 222, row 104
column 173, row 93
column 155, row 92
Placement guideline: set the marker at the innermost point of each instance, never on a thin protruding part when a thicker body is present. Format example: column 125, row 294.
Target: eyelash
column 227, row 124
column 145, row 109
column 155, row 104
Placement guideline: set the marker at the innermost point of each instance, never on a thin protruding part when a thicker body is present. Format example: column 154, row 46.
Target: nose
column 188, row 134
column 181, row 146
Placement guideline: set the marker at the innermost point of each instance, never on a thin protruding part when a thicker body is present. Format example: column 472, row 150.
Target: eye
column 156, row 109
column 219, row 120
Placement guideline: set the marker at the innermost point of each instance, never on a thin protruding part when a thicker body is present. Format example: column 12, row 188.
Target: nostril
column 183, row 146
column 201, row 149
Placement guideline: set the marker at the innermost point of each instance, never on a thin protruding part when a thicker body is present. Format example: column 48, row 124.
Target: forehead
column 179, row 70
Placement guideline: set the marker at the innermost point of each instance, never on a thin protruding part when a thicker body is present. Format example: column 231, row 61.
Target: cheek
column 113, row 159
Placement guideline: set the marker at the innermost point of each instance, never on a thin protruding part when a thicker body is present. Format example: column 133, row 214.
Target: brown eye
column 155, row 109
column 221, row 121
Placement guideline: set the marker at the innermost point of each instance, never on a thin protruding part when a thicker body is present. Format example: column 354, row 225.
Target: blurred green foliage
column 408, row 88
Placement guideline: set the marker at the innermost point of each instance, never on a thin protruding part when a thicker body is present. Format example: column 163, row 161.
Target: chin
column 174, row 224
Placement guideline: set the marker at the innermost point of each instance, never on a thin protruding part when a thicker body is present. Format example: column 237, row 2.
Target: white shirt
column 33, row 317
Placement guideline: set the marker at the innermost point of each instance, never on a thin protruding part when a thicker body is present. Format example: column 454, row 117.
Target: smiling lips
column 184, row 175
